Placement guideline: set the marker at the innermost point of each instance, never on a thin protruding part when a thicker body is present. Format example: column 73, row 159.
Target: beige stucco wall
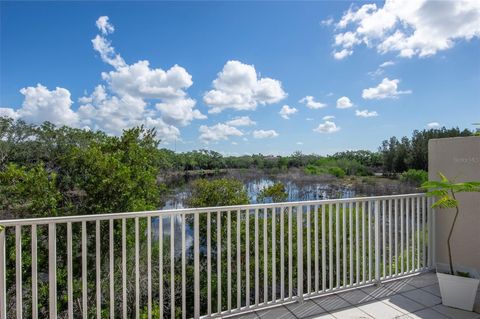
column 459, row 159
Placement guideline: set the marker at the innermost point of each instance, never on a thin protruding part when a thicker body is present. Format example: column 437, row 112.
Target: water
column 299, row 186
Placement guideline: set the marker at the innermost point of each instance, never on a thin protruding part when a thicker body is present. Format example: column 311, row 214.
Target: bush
column 275, row 193
column 218, row 192
column 414, row 176
column 336, row 171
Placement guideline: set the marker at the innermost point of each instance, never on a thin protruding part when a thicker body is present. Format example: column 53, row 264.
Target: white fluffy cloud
column 217, row 132
column 433, row 125
column 8, row 112
column 286, row 111
column 410, row 28
column 107, row 52
column 342, row 54
column 328, row 117
column 41, row 104
column 386, row 89
column 258, row 134
column 327, row 127
column 241, row 121
column 344, row 103
column 366, row 113
column 310, row 102
column 131, row 95
column 104, row 26
column 239, row 87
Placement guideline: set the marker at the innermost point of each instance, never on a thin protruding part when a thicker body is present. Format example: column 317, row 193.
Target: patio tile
column 280, row 312
column 456, row 313
column 402, row 304
column 331, row 303
column 433, row 289
column 378, row 292
column 423, row 280
column 306, row 309
column 350, row 313
column 380, row 310
column 322, row 316
column 423, row 297
column 356, row 296
column 251, row 315
column 426, row 314
column 399, row 286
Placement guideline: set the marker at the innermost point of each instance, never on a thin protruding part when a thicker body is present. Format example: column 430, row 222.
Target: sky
column 244, row 77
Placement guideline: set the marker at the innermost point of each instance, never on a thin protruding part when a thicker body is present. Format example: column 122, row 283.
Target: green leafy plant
column 445, row 192
column 276, row 193
column 414, row 176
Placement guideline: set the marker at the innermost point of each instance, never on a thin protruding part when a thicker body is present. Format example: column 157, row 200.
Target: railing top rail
column 156, row 213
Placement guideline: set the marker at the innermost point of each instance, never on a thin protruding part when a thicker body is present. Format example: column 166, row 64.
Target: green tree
column 274, row 193
column 28, row 192
column 219, row 192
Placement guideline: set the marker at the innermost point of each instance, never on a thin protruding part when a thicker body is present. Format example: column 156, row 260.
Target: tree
column 274, row 193
column 28, row 192
column 219, row 192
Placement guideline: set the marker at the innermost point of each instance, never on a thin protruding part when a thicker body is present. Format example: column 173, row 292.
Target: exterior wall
column 459, row 159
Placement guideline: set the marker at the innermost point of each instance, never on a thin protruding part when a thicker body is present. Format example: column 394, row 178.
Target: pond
column 299, row 185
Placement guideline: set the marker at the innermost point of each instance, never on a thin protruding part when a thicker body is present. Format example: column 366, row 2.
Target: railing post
column 196, row 256
column 300, row 253
column 377, row 243
column 52, row 270
column 3, row 288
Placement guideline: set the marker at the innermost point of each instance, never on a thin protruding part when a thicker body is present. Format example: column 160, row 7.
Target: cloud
column 310, row 102
column 239, row 87
column 8, row 112
column 286, row 111
column 299, row 143
column 386, row 64
column 386, row 89
column 342, row 54
column 433, row 125
column 328, row 117
column 107, row 52
column 413, row 28
column 130, row 96
column 264, row 134
column 104, row 26
column 241, row 121
column 327, row 127
column 327, row 22
column 217, row 132
column 344, row 103
column 381, row 68
column 366, row 113
column 41, row 104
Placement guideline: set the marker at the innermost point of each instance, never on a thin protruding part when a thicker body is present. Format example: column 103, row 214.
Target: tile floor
column 416, row 297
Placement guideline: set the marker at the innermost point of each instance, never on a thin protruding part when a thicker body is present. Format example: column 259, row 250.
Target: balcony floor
column 413, row 297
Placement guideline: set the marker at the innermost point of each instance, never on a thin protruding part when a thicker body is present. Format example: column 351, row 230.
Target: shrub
column 218, row 192
column 414, row 176
column 336, row 171
column 275, row 193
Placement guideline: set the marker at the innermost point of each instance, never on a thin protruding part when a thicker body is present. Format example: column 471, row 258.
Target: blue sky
column 244, row 61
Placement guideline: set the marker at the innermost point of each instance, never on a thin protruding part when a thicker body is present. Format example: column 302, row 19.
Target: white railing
column 208, row 261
